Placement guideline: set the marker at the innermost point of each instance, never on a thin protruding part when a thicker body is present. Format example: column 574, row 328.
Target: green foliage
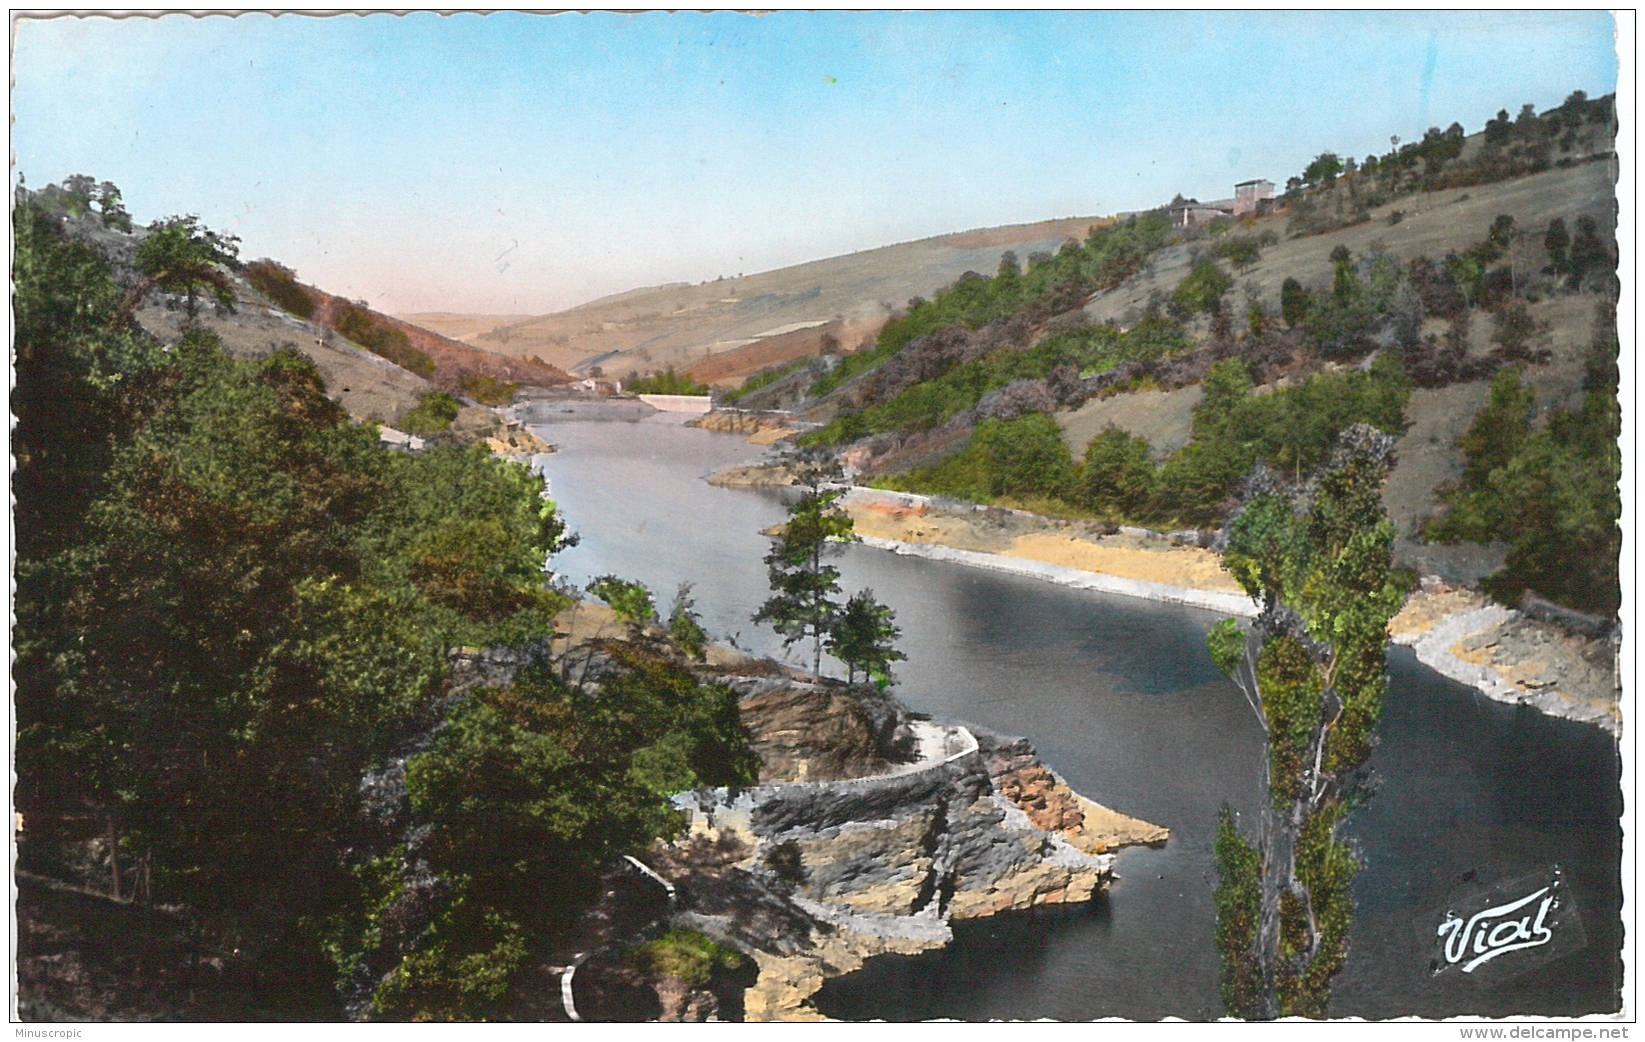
column 931, row 403
column 1119, row 476
column 1203, row 288
column 1110, row 255
column 1227, row 645
column 685, row 954
column 231, row 602
column 432, row 414
column 802, row 583
column 1324, row 168
column 1024, row 458
column 460, row 972
column 381, row 339
column 863, row 637
column 1240, row 252
column 487, row 390
column 1293, row 302
column 528, row 791
column 666, row 382
column 764, row 378
column 180, row 255
column 685, row 628
column 279, row 284
column 1552, row 494
column 1238, row 906
column 631, row 601
column 1292, row 428
column 1324, row 556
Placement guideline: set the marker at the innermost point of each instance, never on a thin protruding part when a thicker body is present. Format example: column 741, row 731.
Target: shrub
column 1203, row 289
column 382, row 340
column 432, row 414
column 279, row 284
column 686, row 954
column 1119, row 477
column 487, row 390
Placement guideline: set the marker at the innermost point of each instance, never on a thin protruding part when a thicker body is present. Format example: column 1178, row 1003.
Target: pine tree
column 801, row 579
column 863, row 638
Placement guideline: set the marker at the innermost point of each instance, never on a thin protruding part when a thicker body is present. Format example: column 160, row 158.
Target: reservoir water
column 1121, row 698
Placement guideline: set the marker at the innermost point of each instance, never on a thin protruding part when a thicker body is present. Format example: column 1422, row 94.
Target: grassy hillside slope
column 646, row 330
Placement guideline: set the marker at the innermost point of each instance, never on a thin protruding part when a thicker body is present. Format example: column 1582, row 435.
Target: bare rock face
column 850, row 849
column 815, row 732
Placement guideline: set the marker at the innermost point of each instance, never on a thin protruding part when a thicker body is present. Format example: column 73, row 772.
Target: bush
column 382, row 340
column 1024, row 458
column 686, row 954
column 432, row 414
column 487, row 390
column 279, row 284
column 1119, row 477
column 1203, row 289
column 766, row 377
column 666, row 382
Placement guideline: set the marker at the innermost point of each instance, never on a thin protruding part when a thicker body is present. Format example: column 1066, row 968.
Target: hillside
column 680, row 325
column 377, row 367
column 1137, row 376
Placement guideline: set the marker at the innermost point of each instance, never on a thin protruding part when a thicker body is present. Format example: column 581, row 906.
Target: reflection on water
column 1121, row 698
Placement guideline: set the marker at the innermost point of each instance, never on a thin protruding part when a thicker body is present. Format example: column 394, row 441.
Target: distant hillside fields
column 647, row 330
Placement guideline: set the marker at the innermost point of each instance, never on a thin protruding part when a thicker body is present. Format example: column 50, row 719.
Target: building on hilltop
column 1254, row 196
column 1196, row 214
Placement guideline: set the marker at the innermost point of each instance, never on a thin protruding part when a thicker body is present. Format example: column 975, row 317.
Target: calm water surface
column 1120, row 696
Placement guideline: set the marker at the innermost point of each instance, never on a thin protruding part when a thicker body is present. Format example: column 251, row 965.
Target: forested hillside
column 236, row 728
column 1389, row 291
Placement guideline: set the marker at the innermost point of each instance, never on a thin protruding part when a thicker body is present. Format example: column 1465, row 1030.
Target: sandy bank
column 1087, row 556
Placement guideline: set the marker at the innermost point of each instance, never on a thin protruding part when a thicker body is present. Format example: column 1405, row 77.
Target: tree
column 1590, row 256
column 684, row 626
column 801, row 579
column 180, row 255
column 631, row 601
column 1558, row 244
column 1317, row 556
column 1324, row 169
column 1119, row 477
column 863, row 638
column 1293, row 303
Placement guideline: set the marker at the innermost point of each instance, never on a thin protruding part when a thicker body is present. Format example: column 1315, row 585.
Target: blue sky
column 512, row 163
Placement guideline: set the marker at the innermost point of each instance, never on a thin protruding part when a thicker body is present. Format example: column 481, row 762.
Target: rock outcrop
column 870, row 831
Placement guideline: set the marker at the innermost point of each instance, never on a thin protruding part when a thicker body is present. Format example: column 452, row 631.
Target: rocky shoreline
column 1510, row 657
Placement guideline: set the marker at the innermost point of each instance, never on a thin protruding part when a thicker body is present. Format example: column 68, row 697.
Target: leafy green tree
column 802, row 581
column 180, row 255
column 1293, row 303
column 1323, row 170
column 1558, row 244
column 1119, row 476
column 433, row 413
column 864, row 638
column 1591, row 261
column 1318, row 559
column 1203, row 288
column 631, row 601
column 685, row 628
